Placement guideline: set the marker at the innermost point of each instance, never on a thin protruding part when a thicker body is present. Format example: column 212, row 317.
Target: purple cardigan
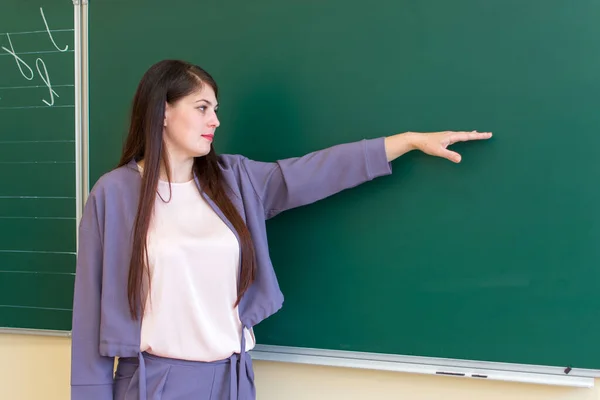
column 102, row 326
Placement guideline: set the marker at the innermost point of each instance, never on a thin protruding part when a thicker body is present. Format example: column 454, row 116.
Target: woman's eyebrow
column 209, row 103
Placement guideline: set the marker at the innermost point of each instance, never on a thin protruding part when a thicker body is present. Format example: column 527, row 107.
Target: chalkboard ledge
column 36, row 332
column 582, row 378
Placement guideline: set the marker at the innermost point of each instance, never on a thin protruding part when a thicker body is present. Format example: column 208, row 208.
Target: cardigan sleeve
column 295, row 182
column 91, row 373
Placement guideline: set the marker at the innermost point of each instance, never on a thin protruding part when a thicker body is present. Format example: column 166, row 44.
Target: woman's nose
column 215, row 121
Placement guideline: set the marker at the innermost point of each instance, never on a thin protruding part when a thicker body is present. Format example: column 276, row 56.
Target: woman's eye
column 202, row 108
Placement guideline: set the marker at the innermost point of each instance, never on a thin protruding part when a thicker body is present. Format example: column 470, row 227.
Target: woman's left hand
column 434, row 144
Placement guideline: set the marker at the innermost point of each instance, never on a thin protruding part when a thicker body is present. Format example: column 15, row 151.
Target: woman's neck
column 180, row 172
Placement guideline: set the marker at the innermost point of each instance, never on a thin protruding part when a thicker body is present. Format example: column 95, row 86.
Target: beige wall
column 37, row 367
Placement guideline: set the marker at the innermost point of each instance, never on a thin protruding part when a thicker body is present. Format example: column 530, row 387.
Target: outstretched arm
column 294, row 182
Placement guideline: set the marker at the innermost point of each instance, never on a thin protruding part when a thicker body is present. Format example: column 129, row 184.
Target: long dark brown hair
column 166, row 82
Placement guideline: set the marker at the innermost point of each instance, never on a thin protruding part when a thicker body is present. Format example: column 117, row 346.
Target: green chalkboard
column 495, row 259
column 37, row 164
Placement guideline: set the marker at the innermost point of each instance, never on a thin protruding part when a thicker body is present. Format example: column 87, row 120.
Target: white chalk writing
column 46, row 79
column 18, row 59
column 42, row 70
column 50, row 33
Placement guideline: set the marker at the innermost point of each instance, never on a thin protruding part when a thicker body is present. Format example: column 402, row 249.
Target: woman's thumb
column 452, row 156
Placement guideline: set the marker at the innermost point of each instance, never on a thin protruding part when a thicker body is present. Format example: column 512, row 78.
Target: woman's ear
column 167, row 111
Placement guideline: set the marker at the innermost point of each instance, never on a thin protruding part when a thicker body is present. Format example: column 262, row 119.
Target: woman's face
column 190, row 124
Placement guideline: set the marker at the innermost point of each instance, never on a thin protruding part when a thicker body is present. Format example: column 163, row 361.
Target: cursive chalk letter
column 50, row 34
column 18, row 59
column 46, row 78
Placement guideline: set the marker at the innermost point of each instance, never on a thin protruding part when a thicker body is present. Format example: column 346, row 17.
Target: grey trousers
column 149, row 377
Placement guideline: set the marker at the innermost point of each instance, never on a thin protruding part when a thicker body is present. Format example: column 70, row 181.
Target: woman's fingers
column 466, row 136
column 454, row 137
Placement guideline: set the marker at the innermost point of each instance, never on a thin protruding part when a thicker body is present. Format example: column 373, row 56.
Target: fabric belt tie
column 142, row 376
column 236, row 376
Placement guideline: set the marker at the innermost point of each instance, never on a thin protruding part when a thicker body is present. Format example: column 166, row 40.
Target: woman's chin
column 201, row 152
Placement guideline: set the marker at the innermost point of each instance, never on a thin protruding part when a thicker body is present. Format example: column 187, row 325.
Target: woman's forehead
column 204, row 92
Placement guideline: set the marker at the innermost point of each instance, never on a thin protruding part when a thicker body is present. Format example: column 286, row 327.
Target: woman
column 176, row 234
